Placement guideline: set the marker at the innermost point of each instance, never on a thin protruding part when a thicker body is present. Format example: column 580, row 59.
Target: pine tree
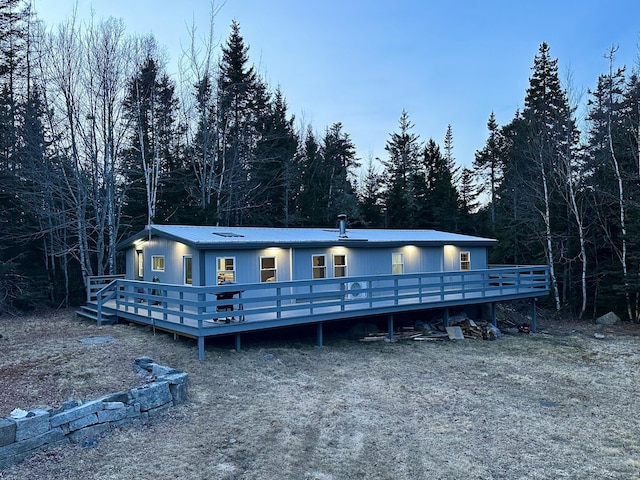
column 370, row 197
column 401, row 172
column 274, row 171
column 489, row 163
column 437, row 197
column 468, row 195
column 309, row 204
column 612, row 169
column 539, row 138
column 237, row 86
column 150, row 165
column 339, row 163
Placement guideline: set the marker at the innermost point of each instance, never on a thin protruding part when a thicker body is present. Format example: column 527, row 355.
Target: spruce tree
column 274, row 170
column 152, row 166
column 532, row 201
column 437, row 197
column 489, row 164
column 238, row 87
column 400, row 175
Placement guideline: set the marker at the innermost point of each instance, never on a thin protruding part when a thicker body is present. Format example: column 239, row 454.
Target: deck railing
column 97, row 283
column 198, row 307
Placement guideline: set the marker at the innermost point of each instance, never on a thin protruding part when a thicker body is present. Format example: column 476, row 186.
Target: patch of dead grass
column 544, row 406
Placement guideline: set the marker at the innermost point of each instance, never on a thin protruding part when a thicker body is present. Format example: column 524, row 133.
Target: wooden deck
column 196, row 312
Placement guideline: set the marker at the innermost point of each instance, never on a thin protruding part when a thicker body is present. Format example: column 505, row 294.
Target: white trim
column 273, row 278
column 153, row 263
column 344, row 266
column 395, row 264
column 467, row 261
column 184, row 269
column 322, row 267
column 139, row 269
column 227, row 275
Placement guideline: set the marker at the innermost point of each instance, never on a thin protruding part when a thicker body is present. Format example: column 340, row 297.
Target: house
column 203, row 255
column 202, row 281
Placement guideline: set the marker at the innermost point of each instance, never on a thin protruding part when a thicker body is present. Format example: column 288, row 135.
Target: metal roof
column 208, row 237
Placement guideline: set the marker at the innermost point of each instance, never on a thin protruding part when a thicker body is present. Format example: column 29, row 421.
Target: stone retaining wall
column 23, row 433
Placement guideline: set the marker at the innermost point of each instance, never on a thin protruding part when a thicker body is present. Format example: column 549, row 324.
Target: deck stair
column 90, row 312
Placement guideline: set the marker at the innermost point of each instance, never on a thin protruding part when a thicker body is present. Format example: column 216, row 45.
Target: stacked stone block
column 42, row 428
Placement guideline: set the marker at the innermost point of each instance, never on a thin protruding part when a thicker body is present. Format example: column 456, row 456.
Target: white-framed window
column 226, row 269
column 187, row 269
column 339, row 265
column 157, row 263
column 139, row 265
column 268, row 269
column 465, row 261
column 397, row 263
column 319, row 266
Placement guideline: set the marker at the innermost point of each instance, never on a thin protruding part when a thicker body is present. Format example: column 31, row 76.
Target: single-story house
column 209, row 255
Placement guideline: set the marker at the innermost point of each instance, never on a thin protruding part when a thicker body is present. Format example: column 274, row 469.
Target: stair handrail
column 95, row 281
column 106, row 293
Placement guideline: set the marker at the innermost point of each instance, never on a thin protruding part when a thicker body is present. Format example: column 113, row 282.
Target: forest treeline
column 97, row 140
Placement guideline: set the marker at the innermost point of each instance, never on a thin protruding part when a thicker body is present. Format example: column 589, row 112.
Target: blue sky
column 362, row 62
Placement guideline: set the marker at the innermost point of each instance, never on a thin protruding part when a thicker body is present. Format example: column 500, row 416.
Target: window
column 465, row 261
column 157, row 263
column 187, row 268
column 397, row 263
column 339, row 266
column 139, row 265
column 226, row 271
column 319, row 266
column 267, row 269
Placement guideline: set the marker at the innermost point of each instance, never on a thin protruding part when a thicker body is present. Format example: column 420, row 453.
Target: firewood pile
column 460, row 328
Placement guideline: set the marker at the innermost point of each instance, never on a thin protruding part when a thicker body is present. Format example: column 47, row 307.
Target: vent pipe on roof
column 342, row 226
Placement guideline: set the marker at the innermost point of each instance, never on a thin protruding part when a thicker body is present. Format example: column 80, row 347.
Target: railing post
column 534, row 319
column 99, row 314
column 181, row 307
column 279, row 303
column 319, row 334
column 396, row 291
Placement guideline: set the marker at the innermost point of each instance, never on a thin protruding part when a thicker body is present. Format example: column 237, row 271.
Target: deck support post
column 390, row 326
column 201, row 348
column 494, row 319
column 534, row 319
column 445, row 318
column 237, row 342
column 319, row 334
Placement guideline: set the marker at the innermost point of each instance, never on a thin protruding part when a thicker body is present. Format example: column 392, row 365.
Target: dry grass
column 546, row 406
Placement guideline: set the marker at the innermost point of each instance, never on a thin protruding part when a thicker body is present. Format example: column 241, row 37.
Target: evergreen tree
column 437, row 197
column 152, row 166
column 274, row 171
column 238, row 86
column 532, row 204
column 468, row 194
column 612, row 172
column 309, row 205
column 370, row 197
column 339, row 162
column 401, row 172
column 489, row 163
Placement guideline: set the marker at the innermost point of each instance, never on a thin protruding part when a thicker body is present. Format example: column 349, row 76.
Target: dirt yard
column 557, row 404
